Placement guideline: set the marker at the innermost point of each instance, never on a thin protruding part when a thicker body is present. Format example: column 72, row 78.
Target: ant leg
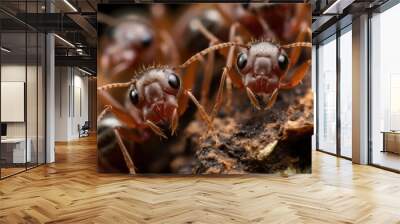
column 174, row 121
column 117, row 132
column 226, row 74
column 188, row 81
column 232, row 34
column 218, row 100
column 229, row 93
column 253, row 98
column 132, row 120
column 106, row 109
column 203, row 114
column 155, row 128
column 295, row 53
column 209, row 66
column 125, row 153
column 210, row 36
column 208, row 73
column 297, row 76
column 272, row 99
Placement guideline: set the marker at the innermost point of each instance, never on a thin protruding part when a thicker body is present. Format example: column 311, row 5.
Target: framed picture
column 204, row 88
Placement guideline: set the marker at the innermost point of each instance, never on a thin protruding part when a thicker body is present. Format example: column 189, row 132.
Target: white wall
column 33, row 127
column 61, row 103
column 12, row 73
column 80, row 102
column 71, row 94
column 16, row 73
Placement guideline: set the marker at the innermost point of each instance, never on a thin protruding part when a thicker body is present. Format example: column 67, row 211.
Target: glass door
column 22, row 91
column 327, row 95
column 32, row 98
column 14, row 153
column 346, row 92
column 385, row 89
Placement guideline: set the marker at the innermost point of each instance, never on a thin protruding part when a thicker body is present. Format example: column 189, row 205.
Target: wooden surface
column 71, row 191
column 10, row 171
column 386, row 159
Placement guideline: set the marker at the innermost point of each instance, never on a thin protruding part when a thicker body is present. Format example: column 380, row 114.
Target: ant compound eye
column 147, row 40
column 134, row 96
column 283, row 61
column 173, row 81
column 241, row 60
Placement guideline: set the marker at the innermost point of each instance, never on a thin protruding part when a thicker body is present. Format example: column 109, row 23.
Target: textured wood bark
column 249, row 141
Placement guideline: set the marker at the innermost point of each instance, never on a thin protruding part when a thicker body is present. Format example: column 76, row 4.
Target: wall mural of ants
column 205, row 88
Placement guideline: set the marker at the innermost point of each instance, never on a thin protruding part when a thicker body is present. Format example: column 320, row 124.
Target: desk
column 391, row 141
column 13, row 150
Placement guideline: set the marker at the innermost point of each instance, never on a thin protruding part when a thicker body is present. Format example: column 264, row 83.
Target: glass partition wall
column 334, row 93
column 327, row 95
column 345, row 92
column 385, row 89
column 22, row 77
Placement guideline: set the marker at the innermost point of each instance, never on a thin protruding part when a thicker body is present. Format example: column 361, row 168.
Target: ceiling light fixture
column 337, row 7
column 65, row 41
column 70, row 5
column 5, row 50
column 84, row 71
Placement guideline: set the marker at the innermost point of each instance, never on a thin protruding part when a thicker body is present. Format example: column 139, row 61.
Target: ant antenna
column 298, row 44
column 197, row 56
column 116, row 85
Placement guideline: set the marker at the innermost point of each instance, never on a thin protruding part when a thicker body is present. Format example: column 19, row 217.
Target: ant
column 154, row 97
column 263, row 66
column 134, row 39
column 251, row 21
column 287, row 23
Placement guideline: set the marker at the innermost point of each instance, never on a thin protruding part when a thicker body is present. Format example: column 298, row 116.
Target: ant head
column 262, row 66
column 134, row 34
column 155, row 94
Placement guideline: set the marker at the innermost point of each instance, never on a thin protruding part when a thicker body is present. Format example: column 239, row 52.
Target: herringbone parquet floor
column 71, row 191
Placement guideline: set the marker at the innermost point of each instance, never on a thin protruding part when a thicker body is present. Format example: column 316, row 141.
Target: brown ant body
column 134, row 41
column 263, row 67
column 265, row 64
column 152, row 99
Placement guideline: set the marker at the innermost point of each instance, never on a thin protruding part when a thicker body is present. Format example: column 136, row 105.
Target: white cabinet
column 17, row 146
